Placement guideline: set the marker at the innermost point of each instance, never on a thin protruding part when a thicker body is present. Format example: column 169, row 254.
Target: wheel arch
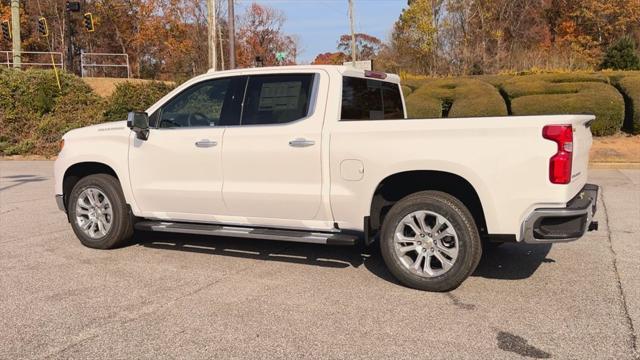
column 79, row 170
column 400, row 184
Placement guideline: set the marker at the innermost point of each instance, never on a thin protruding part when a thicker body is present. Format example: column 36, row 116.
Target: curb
column 614, row 165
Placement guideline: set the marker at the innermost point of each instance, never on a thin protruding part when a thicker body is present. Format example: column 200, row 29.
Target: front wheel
column 98, row 212
column 430, row 242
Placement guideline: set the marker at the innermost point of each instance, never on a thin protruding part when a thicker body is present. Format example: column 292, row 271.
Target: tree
column 367, row 46
column 621, row 56
column 260, row 34
column 414, row 35
column 330, row 58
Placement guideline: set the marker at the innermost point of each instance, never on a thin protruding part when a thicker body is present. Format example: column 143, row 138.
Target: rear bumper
column 549, row 225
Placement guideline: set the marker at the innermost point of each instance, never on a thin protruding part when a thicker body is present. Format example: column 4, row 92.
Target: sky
column 319, row 23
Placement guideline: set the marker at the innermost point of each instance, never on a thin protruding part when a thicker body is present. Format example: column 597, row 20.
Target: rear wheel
column 430, row 242
column 98, row 212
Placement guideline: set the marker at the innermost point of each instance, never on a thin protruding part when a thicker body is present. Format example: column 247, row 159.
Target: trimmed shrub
column 568, row 94
column 34, row 113
column 134, row 97
column 629, row 86
column 459, row 97
column 69, row 113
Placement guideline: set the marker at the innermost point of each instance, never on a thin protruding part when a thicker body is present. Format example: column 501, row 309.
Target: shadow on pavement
column 512, row 261
column 17, row 180
column 507, row 262
column 290, row 252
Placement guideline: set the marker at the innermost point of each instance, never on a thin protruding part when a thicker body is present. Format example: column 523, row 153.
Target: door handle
column 301, row 142
column 205, row 143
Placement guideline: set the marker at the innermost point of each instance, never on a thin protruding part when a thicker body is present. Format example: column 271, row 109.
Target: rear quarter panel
column 504, row 159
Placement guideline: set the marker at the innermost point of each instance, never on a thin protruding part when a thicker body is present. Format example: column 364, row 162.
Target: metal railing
column 7, row 58
column 85, row 66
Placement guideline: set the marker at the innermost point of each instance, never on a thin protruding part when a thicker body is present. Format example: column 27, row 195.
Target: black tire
column 469, row 243
column 121, row 229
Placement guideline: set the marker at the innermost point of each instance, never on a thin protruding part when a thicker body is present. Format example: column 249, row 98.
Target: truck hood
column 98, row 130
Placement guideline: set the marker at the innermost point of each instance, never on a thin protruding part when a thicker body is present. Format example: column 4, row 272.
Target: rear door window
column 367, row 99
column 276, row 99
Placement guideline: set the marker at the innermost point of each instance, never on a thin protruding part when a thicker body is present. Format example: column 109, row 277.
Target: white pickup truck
column 326, row 154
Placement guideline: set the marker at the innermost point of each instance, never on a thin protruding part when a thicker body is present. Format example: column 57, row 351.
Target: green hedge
column 457, row 97
column 34, row 113
column 133, row 97
column 629, row 86
column 568, row 94
column 406, row 90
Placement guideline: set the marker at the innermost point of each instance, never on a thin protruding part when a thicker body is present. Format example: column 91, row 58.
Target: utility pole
column 15, row 29
column 68, row 60
column 221, row 48
column 212, row 34
column 232, row 34
column 353, row 34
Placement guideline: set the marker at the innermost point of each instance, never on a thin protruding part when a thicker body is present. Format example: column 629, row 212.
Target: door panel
column 170, row 173
column 178, row 170
column 265, row 177
column 272, row 161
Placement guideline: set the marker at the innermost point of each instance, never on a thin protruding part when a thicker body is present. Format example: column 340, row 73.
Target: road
column 169, row 296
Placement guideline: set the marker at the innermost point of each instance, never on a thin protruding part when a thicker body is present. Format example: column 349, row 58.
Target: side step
column 247, row 232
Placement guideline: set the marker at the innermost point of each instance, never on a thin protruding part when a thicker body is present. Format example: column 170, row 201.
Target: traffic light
column 43, row 29
column 6, row 30
column 88, row 22
column 73, row 6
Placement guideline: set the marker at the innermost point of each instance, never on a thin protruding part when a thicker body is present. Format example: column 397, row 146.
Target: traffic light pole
column 68, row 60
column 15, row 29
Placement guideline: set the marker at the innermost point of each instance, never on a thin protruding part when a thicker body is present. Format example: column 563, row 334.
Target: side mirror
column 138, row 122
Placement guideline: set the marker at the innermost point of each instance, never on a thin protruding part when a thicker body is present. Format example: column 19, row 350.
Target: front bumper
column 549, row 225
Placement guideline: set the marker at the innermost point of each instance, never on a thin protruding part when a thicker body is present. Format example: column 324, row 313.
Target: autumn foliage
column 164, row 39
column 441, row 37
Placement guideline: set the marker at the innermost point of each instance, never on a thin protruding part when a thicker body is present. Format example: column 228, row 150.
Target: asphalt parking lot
column 170, row 296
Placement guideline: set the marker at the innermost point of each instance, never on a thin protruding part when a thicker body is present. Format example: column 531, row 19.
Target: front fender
column 109, row 149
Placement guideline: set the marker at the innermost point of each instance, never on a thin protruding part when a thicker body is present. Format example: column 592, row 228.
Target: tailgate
column 581, row 145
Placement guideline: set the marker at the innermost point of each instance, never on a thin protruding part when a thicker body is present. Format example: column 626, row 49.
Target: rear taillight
column 560, row 163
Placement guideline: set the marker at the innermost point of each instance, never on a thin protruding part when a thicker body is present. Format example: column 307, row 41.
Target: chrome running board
column 248, row 232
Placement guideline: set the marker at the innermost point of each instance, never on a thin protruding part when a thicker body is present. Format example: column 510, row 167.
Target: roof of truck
column 342, row 69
